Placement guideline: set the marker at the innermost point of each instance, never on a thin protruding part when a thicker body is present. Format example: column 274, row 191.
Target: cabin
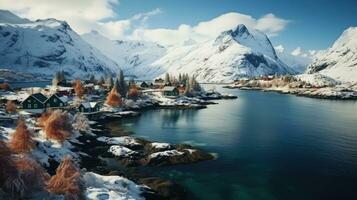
column 56, row 101
column 170, row 91
column 88, row 107
column 34, row 101
column 144, row 85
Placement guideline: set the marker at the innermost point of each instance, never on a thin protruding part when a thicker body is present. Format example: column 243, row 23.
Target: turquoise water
column 269, row 146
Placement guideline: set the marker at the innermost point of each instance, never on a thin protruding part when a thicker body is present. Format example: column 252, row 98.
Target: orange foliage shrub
column 5, row 86
column 113, row 98
column 56, row 124
column 21, row 141
column 78, row 88
column 44, row 117
column 10, row 107
column 32, row 174
column 133, row 92
column 67, row 181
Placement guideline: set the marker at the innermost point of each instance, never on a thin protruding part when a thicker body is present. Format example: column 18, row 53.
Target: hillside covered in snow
column 340, row 61
column 134, row 57
column 233, row 54
column 43, row 47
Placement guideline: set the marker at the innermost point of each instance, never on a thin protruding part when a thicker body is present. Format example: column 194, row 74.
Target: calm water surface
column 269, row 146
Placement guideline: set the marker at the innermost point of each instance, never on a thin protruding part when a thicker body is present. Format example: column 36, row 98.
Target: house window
column 48, row 105
column 29, row 100
column 35, row 105
column 29, row 105
column 61, row 104
column 55, row 100
column 82, row 109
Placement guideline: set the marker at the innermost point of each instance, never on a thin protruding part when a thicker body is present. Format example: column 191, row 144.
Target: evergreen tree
column 102, row 80
column 167, row 78
column 110, row 82
column 92, row 79
column 122, row 85
column 117, row 86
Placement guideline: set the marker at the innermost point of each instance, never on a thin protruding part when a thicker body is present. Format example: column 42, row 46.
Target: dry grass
column 67, row 181
column 10, row 107
column 78, row 88
column 56, row 124
column 113, row 99
column 21, row 141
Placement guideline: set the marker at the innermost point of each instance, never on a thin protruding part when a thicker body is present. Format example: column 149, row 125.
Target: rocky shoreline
column 325, row 93
column 132, row 154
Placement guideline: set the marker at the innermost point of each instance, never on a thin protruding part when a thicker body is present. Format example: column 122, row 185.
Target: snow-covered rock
column 167, row 153
column 122, row 151
column 161, row 145
column 43, row 47
column 111, row 188
column 124, row 140
column 339, row 61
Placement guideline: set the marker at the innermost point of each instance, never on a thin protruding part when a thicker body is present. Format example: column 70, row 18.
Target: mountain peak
column 240, row 30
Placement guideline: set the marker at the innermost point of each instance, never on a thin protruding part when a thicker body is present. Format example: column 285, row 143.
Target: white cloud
column 269, row 24
column 280, row 48
column 82, row 15
column 307, row 53
column 86, row 15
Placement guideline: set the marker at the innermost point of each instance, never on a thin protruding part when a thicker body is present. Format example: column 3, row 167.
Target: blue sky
column 314, row 24
column 309, row 24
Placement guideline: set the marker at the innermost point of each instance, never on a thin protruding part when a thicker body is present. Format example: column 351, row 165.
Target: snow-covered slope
column 340, row 61
column 233, row 54
column 134, row 57
column 45, row 46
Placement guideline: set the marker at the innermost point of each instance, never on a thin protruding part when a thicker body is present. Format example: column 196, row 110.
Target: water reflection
column 270, row 146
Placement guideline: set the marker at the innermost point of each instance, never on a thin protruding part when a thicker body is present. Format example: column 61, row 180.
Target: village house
column 34, row 101
column 89, row 107
column 170, row 91
column 56, row 101
column 144, row 85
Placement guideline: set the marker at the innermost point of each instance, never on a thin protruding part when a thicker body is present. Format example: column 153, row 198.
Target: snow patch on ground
column 111, row 188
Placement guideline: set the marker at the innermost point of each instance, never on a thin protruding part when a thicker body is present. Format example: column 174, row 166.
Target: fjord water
column 268, row 146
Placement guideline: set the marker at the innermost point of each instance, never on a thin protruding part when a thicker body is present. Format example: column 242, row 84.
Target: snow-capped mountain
column 233, row 54
column 134, row 57
column 43, row 47
column 339, row 61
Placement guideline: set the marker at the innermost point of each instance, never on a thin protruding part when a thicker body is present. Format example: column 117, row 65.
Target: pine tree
column 122, row 85
column 110, row 82
column 167, row 78
column 92, row 79
column 102, row 80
